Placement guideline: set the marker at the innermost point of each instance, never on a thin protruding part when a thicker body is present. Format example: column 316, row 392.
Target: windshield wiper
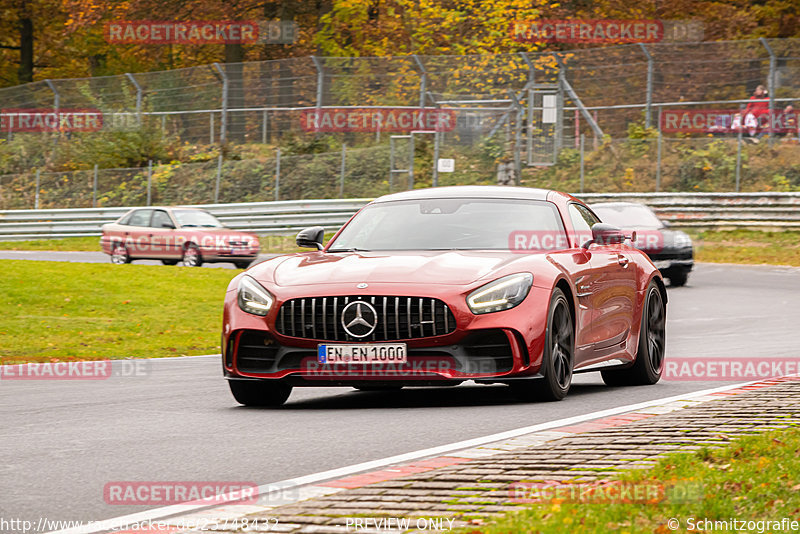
column 187, row 225
column 354, row 249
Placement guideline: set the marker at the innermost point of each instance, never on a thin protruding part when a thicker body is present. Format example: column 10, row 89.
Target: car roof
column 469, row 191
column 617, row 204
column 167, row 208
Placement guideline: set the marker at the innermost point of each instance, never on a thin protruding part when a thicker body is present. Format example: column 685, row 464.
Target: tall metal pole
column 529, row 129
column 436, row 158
column 138, row 97
column 36, row 196
column 770, row 86
column 411, row 161
column 94, row 187
column 658, row 149
column 149, row 180
column 423, row 82
column 264, row 127
column 342, row 170
column 278, row 174
column 223, row 134
column 320, row 84
column 649, row 101
column 582, row 166
column 219, row 178
column 738, row 160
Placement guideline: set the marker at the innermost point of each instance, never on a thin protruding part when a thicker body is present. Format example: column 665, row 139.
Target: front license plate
column 364, row 353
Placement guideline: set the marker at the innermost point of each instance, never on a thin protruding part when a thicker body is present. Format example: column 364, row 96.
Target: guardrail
column 713, row 210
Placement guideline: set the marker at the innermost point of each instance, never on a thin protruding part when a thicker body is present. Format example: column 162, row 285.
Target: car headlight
column 682, row 240
column 253, row 298
column 502, row 294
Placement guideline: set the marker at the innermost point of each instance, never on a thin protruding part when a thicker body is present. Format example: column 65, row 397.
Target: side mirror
column 605, row 234
column 666, row 224
column 311, row 237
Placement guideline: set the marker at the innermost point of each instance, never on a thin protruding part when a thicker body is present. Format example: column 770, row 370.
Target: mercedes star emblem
column 359, row 318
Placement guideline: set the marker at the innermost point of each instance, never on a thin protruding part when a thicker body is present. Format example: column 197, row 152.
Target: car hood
column 654, row 241
column 445, row 267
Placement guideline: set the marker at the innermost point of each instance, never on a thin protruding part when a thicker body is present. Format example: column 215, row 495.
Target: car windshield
column 628, row 216
column 196, row 218
column 448, row 224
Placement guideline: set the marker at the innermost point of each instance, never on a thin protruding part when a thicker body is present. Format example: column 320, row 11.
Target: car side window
column 127, row 218
column 160, row 219
column 140, row 218
column 582, row 222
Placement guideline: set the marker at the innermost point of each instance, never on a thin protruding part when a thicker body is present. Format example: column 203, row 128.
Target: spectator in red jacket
column 757, row 108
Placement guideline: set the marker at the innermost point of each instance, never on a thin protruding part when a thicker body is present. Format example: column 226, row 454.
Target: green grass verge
column 270, row 244
column 753, row 478
column 748, row 247
column 74, row 311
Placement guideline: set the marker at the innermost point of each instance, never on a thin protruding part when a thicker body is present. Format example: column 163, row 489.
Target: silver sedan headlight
column 682, row 240
column 253, row 298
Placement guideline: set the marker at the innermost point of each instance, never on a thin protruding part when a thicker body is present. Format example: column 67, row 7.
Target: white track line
column 332, row 474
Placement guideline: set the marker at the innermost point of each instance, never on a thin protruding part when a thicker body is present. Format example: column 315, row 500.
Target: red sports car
column 190, row 235
column 438, row 286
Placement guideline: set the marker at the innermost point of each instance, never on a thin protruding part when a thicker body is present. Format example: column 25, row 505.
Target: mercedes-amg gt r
column 438, row 286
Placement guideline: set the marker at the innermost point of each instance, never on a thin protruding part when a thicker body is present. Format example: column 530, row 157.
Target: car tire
column 170, row 262
column 558, row 358
column 192, row 256
column 260, row 392
column 678, row 279
column 649, row 363
column 119, row 254
column 242, row 264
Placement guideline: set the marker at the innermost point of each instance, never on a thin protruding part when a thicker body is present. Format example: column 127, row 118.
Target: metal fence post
column 529, row 128
column 211, row 128
column 138, row 97
column 264, row 127
column 411, row 162
column 770, row 87
column 582, row 165
column 436, row 158
column 342, row 170
column 36, row 196
column 738, row 159
column 659, row 142
column 278, row 174
column 94, row 187
column 219, row 178
column 320, row 81
column 517, row 137
column 649, row 101
column 149, row 180
column 423, row 82
column 223, row 136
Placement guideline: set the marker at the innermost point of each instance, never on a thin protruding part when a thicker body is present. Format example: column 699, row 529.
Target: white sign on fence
column 446, row 165
column 549, row 109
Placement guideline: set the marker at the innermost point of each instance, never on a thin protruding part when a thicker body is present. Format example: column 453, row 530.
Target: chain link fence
column 542, row 113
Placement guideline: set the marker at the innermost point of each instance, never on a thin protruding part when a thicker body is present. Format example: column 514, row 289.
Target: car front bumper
column 496, row 346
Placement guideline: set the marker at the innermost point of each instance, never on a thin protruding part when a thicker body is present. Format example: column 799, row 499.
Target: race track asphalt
column 62, row 441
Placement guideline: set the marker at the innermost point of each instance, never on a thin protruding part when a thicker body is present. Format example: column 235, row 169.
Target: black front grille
column 396, row 318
